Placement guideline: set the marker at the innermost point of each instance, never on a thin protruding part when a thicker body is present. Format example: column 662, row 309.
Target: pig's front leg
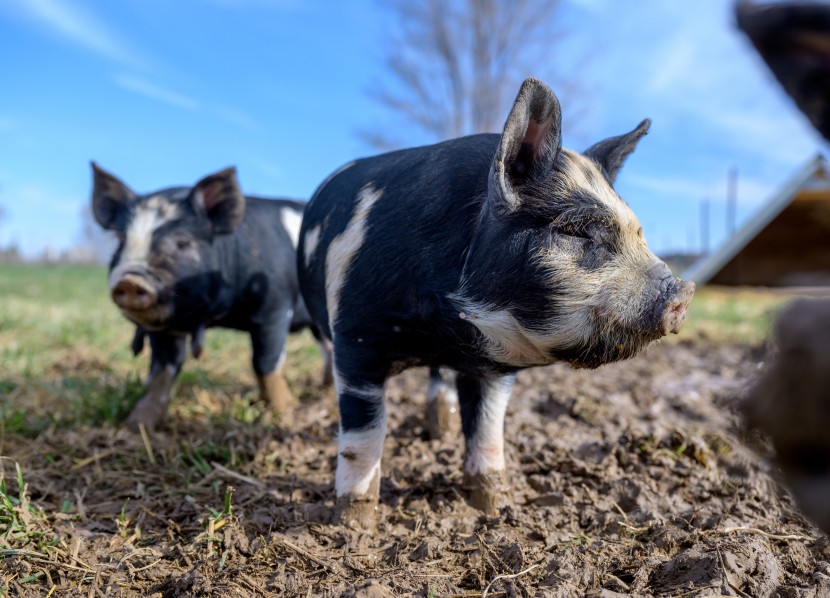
column 268, row 344
column 442, row 405
column 137, row 346
column 360, row 445
column 483, row 405
column 168, row 354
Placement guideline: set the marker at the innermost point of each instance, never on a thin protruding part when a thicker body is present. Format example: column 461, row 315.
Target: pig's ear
column 109, row 198
column 219, row 197
column 610, row 154
column 531, row 140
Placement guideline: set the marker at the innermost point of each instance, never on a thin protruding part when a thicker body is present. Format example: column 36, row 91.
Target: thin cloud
column 698, row 78
column 673, row 188
column 281, row 5
column 238, row 118
column 154, row 92
column 751, row 191
column 77, row 25
column 594, row 6
column 51, row 201
column 265, row 167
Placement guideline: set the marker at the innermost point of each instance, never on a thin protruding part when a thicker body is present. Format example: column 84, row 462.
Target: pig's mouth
column 616, row 340
column 669, row 312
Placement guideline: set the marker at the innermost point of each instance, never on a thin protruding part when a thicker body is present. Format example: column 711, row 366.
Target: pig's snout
column 133, row 293
column 674, row 311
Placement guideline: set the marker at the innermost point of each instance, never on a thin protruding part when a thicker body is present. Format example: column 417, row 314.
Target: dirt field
column 629, row 480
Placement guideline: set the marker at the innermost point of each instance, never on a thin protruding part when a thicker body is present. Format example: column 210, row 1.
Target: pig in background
column 484, row 255
column 791, row 400
column 192, row 258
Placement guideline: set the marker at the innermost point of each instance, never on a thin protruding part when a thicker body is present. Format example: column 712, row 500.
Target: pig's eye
column 183, row 243
column 578, row 234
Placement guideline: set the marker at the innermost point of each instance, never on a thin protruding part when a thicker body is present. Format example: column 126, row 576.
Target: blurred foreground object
column 791, row 403
column 794, row 40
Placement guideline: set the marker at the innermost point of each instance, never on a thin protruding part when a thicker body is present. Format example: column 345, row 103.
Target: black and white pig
column 194, row 257
column 486, row 255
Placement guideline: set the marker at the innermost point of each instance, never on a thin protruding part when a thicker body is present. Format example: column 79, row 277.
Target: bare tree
column 456, row 65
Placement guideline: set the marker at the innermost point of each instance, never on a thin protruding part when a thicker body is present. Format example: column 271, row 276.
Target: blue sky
column 162, row 93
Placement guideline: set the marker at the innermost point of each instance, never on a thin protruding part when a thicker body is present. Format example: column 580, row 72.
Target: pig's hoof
column 487, row 492
column 442, row 418
column 149, row 412
column 357, row 513
column 274, row 390
column 327, row 378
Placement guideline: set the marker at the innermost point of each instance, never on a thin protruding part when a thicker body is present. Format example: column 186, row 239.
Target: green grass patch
column 65, row 357
column 23, row 527
column 734, row 314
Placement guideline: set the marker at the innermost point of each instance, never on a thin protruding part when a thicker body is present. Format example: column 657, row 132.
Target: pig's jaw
column 580, row 341
column 153, row 319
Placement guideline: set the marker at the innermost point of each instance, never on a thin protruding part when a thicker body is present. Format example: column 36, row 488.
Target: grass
column 19, row 518
column 741, row 315
column 65, row 357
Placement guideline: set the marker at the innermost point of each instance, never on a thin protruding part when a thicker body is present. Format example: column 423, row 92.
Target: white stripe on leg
column 485, row 449
column 358, row 460
column 360, row 451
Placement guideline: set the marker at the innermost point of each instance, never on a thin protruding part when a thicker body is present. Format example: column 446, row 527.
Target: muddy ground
column 628, row 480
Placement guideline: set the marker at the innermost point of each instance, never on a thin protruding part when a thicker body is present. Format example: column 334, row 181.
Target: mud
column 629, row 480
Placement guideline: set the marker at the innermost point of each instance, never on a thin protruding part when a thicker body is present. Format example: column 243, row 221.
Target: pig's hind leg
column 483, row 406
column 326, row 353
column 268, row 344
column 168, row 355
column 442, row 405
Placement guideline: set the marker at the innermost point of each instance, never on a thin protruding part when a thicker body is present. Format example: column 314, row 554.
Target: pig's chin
column 607, row 348
column 154, row 318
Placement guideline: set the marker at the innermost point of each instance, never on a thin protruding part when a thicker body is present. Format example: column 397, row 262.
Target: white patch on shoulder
column 344, row 247
column 485, row 450
column 506, row 340
column 148, row 216
column 291, row 220
column 312, row 239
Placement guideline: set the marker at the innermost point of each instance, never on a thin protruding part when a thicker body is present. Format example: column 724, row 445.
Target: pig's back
column 393, row 229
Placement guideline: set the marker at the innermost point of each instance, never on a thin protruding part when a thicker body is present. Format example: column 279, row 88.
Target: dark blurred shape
column 791, row 403
column 794, row 40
